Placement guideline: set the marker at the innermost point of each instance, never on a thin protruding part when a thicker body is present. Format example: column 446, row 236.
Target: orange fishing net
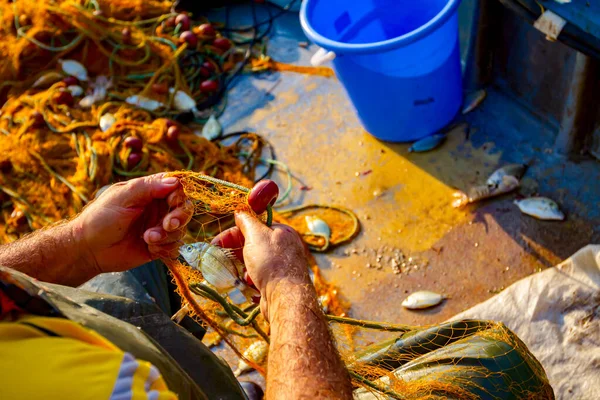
column 462, row 359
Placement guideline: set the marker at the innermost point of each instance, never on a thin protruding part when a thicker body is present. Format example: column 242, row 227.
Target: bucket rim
column 388, row 44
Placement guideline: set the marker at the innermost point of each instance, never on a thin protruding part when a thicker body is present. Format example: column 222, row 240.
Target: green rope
column 369, row 324
column 231, row 309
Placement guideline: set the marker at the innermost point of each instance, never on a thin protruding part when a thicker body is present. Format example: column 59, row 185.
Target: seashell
column 317, row 226
column 74, row 68
column 75, row 90
column 422, row 299
column 540, row 208
column 212, row 129
column 428, row 143
column 516, row 170
column 256, row 353
column 47, row 80
column 182, row 101
column 477, row 193
column 106, row 121
column 144, row 102
column 473, row 100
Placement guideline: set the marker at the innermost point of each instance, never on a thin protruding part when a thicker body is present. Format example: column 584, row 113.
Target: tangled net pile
column 65, row 132
column 462, row 359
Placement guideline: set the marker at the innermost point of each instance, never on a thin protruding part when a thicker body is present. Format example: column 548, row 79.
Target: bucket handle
column 321, row 57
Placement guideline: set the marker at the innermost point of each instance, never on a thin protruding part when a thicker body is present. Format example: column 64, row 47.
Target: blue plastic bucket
column 398, row 60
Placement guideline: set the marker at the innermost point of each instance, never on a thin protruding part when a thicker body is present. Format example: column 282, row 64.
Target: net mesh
column 462, row 359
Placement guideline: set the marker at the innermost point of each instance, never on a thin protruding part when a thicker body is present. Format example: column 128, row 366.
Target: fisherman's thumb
column 142, row 191
column 250, row 225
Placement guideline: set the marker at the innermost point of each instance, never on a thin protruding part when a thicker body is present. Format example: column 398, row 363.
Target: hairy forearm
column 303, row 360
column 52, row 255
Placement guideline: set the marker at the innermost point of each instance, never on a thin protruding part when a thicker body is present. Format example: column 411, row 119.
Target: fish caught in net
column 461, row 359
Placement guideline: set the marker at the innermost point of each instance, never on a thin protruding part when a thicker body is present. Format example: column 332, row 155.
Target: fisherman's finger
column 263, row 194
column 158, row 236
column 179, row 217
column 169, row 251
column 233, row 239
column 252, row 228
column 176, row 198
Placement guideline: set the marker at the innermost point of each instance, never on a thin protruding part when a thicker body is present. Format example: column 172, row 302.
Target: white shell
column 541, row 208
column 106, row 121
column 422, row 299
column 74, row 68
column 87, row 101
column 75, row 90
column 182, row 101
column 317, row 226
column 144, row 102
column 47, row 80
column 256, row 352
column 212, row 129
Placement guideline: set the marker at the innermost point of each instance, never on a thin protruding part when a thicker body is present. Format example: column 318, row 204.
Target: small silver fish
column 516, row 170
column 212, row 129
column 540, row 208
column 477, row 193
column 473, row 100
column 141, row 102
column 182, row 101
column 219, row 267
column 422, row 299
column 256, row 352
column 74, row 68
column 428, row 143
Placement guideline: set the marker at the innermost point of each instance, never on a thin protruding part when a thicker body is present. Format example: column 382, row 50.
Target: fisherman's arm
column 303, row 361
column 129, row 224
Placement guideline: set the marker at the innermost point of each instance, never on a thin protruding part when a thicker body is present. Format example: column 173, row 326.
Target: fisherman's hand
column 134, row 222
column 271, row 254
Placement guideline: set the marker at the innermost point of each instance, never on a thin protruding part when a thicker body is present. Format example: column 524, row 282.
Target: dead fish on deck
column 473, row 100
column 218, row 266
column 477, row 193
column 255, row 353
column 422, row 299
column 428, row 143
column 516, row 170
column 541, row 208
